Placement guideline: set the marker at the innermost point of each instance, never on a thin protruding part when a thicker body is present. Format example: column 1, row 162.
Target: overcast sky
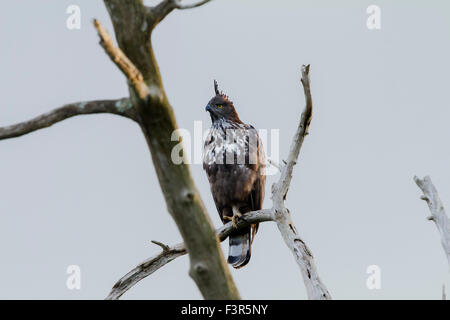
column 84, row 192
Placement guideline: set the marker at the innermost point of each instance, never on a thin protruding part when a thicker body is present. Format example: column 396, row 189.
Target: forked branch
column 122, row 107
column 170, row 253
column 133, row 24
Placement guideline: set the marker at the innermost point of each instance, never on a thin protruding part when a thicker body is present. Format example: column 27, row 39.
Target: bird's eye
column 220, row 106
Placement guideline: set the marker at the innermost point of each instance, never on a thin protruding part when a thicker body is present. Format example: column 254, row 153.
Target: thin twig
column 284, row 182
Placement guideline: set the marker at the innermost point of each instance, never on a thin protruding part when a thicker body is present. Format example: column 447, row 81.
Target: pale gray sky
column 84, row 191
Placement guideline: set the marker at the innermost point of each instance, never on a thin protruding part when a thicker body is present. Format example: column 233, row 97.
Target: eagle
column 234, row 161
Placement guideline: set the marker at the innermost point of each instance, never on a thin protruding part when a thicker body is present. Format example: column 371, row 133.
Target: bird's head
column 220, row 107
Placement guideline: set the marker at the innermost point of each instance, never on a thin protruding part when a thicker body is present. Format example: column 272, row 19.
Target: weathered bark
column 133, row 24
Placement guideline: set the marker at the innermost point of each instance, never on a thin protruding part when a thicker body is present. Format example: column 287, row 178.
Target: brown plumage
column 234, row 161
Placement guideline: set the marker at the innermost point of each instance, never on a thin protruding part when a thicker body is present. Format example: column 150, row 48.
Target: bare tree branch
column 145, row 269
column 315, row 289
column 438, row 215
column 249, row 218
column 131, row 21
column 122, row 107
column 280, row 189
column 279, row 213
column 170, row 253
column 122, row 62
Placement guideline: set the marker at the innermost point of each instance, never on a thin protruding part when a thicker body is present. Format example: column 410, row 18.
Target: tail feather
column 240, row 249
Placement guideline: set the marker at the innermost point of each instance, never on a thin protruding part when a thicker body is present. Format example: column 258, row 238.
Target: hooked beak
column 208, row 108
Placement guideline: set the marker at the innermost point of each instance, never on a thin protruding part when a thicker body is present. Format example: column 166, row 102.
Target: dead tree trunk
column 149, row 106
column 133, row 26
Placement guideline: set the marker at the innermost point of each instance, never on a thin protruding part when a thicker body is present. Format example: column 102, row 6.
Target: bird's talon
column 235, row 219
